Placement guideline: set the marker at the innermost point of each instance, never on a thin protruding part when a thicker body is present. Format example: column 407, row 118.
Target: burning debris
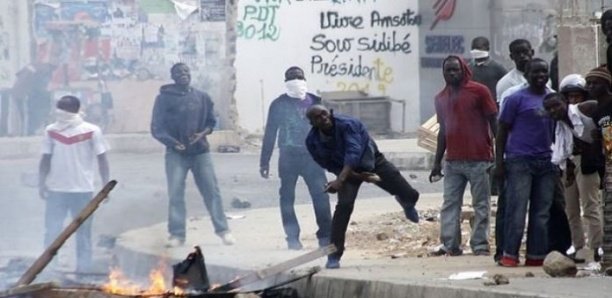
column 190, row 279
column 191, row 275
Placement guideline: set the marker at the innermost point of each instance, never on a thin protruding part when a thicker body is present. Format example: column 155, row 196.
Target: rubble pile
column 392, row 235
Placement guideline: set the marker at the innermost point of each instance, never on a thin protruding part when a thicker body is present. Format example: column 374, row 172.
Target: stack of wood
column 428, row 134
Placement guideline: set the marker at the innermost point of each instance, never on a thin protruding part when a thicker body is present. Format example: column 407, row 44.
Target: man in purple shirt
column 523, row 156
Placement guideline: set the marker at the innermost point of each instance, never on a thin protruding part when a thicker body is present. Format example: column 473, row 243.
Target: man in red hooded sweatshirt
column 467, row 116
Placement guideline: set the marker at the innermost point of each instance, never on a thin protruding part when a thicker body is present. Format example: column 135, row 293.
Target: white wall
column 276, row 34
column 14, row 39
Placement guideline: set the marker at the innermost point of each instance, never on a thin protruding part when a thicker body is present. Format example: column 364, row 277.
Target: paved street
column 140, row 197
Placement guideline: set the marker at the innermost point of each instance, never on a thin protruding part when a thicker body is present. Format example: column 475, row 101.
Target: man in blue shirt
column 287, row 119
column 342, row 145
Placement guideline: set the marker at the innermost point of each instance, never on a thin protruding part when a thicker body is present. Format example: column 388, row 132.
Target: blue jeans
column 456, row 176
column 59, row 204
column 201, row 166
column 528, row 181
column 291, row 165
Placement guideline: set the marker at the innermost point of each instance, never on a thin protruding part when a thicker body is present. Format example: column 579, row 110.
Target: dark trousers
column 559, row 233
column 392, row 181
column 39, row 107
column 499, row 219
column 291, row 165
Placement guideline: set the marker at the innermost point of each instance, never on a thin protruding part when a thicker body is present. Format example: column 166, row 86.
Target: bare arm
column 493, row 124
column 588, row 107
column 440, row 149
column 103, row 168
column 500, row 147
column 43, row 171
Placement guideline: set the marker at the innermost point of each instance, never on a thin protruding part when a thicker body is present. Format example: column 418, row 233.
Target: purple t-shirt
column 531, row 130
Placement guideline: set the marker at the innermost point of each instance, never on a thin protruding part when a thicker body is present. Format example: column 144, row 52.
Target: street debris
column 558, row 265
column 468, row 275
column 228, row 149
column 529, row 274
column 390, row 235
column 240, row 204
column 496, row 280
column 234, row 216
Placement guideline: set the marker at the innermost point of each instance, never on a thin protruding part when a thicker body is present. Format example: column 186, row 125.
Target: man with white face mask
column 287, row 118
column 484, row 69
column 71, row 148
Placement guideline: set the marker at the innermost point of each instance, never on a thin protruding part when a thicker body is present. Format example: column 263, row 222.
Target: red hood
column 467, row 74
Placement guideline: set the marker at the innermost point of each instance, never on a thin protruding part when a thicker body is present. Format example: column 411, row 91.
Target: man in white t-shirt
column 70, row 150
column 520, row 53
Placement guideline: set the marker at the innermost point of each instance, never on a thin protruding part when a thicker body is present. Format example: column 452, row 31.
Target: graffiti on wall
column 353, row 1
column 338, row 50
column 259, row 21
column 119, row 39
column 443, row 11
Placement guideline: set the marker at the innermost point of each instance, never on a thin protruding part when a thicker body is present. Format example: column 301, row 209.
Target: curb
column 29, row 147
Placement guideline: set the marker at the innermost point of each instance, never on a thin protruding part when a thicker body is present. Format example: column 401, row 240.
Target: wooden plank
column 274, row 269
column 27, row 289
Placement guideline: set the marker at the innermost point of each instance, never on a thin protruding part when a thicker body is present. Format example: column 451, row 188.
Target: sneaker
column 332, row 263
column 534, row 263
column 482, row 252
column 575, row 258
column 294, row 244
column 440, row 251
column 497, row 257
column 411, row 214
column 597, row 253
column 228, row 239
column 175, row 241
column 508, row 262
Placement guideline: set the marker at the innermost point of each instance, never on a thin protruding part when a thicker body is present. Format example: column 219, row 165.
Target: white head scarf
column 479, row 54
column 296, row 88
column 65, row 120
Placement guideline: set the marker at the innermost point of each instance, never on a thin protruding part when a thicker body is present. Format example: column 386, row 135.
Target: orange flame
column 119, row 284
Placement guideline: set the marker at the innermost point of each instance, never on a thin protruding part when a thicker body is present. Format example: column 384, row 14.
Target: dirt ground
column 392, row 235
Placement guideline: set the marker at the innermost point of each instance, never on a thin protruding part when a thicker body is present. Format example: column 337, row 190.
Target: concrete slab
column 261, row 243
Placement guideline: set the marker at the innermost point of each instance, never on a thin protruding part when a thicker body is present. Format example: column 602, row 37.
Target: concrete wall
column 14, row 39
column 448, row 32
column 500, row 20
column 134, row 44
column 276, row 34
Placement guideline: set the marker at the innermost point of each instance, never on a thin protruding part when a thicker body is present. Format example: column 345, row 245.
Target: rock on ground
column 558, row 265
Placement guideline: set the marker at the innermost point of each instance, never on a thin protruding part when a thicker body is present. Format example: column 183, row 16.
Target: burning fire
column 119, row 284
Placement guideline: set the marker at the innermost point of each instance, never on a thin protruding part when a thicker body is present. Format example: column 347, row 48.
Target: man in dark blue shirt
column 287, row 118
column 341, row 145
column 182, row 118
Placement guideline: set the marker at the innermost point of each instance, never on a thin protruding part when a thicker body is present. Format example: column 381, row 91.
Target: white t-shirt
column 511, row 79
column 74, row 154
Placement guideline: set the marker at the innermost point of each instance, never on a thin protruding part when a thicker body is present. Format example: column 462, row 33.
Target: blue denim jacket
column 350, row 144
column 178, row 114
